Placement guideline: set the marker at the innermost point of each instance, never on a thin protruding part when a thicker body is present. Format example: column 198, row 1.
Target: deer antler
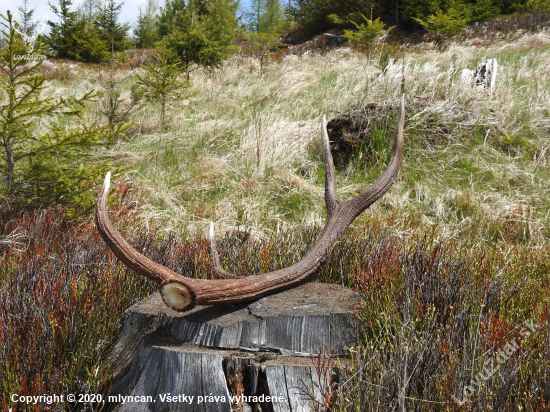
column 182, row 293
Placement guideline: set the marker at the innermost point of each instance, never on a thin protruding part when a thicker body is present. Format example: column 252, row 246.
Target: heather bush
column 433, row 313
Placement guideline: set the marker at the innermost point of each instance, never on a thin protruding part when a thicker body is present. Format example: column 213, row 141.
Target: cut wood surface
column 215, row 353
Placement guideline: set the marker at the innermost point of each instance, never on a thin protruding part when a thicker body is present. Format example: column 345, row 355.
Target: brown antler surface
column 181, row 293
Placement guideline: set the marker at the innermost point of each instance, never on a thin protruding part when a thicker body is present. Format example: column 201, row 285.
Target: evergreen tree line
column 312, row 16
column 202, row 32
column 90, row 33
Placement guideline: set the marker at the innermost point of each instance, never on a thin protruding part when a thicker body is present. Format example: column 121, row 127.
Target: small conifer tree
column 265, row 16
column 112, row 32
column 261, row 45
column 145, row 34
column 200, row 32
column 41, row 159
column 111, row 105
column 27, row 24
column 272, row 19
column 538, row 6
column 366, row 35
column 160, row 84
column 65, row 32
column 443, row 25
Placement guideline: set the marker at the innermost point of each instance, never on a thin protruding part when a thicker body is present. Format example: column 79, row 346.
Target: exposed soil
column 352, row 130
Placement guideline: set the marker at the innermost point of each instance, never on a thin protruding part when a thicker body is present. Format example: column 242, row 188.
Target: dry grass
column 244, row 150
column 228, row 151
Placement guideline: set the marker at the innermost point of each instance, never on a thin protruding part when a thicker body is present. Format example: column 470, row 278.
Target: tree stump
column 484, row 77
column 269, row 355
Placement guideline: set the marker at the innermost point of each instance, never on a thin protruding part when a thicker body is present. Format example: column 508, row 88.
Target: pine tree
column 42, row 161
column 272, row 20
column 159, row 84
column 538, row 6
column 443, row 26
column 90, row 46
column 221, row 25
column 254, row 17
column 266, row 16
column 64, row 34
column 201, row 32
column 145, row 34
column 112, row 106
column 261, row 45
column 90, row 34
column 26, row 23
column 112, row 32
column 365, row 35
column 89, row 9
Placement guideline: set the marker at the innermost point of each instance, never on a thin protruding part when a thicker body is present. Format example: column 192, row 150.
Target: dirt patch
column 353, row 130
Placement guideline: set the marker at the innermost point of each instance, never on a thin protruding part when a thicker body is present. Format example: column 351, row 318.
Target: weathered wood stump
column 484, row 77
column 246, row 357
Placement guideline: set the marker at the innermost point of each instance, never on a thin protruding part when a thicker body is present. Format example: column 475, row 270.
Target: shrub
column 160, row 84
column 443, row 26
column 43, row 161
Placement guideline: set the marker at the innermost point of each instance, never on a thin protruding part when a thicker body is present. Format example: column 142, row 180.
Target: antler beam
column 183, row 294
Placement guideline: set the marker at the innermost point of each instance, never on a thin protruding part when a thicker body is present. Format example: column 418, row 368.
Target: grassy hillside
column 244, row 151
column 452, row 262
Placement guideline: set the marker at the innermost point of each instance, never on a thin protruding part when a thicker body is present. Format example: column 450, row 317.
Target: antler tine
column 218, row 270
column 136, row 261
column 183, row 294
column 386, row 179
column 331, row 199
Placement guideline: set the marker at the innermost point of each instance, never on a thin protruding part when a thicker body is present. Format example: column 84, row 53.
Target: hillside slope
column 244, row 151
